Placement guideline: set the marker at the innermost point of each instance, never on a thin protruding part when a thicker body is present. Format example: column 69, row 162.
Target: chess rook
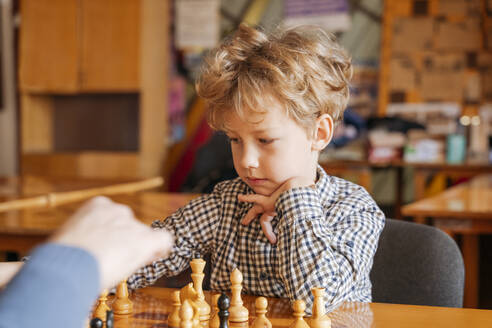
column 238, row 313
column 173, row 320
column 319, row 318
column 197, row 275
column 214, row 319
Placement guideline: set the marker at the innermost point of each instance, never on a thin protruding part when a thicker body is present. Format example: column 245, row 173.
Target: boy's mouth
column 255, row 181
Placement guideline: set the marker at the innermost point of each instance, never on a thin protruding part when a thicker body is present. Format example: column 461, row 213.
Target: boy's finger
column 252, row 214
column 251, row 198
column 266, row 226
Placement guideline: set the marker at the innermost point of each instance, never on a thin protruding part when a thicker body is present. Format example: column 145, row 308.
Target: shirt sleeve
column 318, row 251
column 55, row 288
column 193, row 227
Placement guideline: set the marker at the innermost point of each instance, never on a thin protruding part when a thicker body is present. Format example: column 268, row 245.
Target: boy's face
column 270, row 148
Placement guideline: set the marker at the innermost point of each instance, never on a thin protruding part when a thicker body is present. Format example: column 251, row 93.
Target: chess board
column 152, row 305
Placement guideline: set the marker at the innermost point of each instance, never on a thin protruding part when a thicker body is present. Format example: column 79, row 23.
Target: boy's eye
column 233, row 140
column 266, row 141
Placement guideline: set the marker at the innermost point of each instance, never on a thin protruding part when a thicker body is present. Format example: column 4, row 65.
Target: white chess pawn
column 261, row 321
column 299, row 306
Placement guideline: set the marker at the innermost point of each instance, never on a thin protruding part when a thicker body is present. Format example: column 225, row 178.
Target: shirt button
column 263, row 276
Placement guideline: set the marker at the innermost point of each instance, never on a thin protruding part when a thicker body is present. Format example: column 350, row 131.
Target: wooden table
column 152, row 306
column 464, row 209
column 22, row 229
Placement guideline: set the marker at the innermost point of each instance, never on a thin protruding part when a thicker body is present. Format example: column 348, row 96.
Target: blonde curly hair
column 303, row 68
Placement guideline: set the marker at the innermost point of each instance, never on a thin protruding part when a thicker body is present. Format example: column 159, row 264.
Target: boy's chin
column 264, row 191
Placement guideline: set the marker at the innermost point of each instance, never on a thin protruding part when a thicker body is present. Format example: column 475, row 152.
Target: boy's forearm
column 189, row 231
column 313, row 256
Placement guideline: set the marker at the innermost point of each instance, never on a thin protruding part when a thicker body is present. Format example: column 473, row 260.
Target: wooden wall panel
column 110, row 45
column 49, row 45
column 154, row 86
column 36, row 123
column 81, row 164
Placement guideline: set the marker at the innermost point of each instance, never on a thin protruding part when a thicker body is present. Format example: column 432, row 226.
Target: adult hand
column 120, row 243
column 265, row 205
column 8, row 270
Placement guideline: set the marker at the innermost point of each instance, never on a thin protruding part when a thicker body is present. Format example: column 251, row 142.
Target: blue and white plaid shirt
column 326, row 237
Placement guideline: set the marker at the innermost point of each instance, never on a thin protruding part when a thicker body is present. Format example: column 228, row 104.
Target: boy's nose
column 250, row 157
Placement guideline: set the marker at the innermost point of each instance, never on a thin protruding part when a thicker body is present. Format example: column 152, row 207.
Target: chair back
column 417, row 264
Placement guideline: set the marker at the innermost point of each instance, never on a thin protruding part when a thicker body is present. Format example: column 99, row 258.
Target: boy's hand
column 265, row 205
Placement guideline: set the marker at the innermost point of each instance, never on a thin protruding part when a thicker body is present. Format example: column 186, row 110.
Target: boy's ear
column 323, row 132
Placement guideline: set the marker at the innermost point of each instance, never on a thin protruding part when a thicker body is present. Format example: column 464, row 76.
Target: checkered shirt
column 326, row 237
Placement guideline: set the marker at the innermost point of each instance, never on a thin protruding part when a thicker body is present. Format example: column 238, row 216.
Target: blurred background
column 104, row 90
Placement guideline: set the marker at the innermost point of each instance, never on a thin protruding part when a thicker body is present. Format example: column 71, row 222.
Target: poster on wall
column 197, row 23
column 332, row 15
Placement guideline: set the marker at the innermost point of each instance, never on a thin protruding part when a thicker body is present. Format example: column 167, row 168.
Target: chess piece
column 238, row 313
column 223, row 303
column 261, row 321
column 102, row 307
column 122, row 304
column 214, row 319
column 319, row 318
column 109, row 319
column 173, row 319
column 96, row 323
column 299, row 306
column 188, row 293
column 197, row 266
column 186, row 315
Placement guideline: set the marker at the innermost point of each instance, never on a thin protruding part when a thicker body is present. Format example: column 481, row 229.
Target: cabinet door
column 49, row 46
column 110, row 45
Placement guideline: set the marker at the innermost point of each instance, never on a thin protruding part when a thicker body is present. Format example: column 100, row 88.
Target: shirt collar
column 325, row 185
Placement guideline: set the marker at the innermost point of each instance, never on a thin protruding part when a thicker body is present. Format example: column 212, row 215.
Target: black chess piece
column 223, row 303
column 109, row 319
column 96, row 323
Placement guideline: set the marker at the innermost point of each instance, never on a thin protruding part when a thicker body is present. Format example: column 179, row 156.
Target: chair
column 417, row 264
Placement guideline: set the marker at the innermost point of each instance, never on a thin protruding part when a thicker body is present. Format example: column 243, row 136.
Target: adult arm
column 54, row 289
column 8, row 270
column 91, row 251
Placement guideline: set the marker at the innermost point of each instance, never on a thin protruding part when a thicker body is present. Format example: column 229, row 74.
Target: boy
column 284, row 223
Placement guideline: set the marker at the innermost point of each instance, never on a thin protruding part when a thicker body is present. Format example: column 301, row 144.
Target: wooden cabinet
column 49, row 46
column 92, row 48
column 69, row 46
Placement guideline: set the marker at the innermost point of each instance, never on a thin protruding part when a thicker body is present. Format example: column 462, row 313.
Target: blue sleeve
column 56, row 288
